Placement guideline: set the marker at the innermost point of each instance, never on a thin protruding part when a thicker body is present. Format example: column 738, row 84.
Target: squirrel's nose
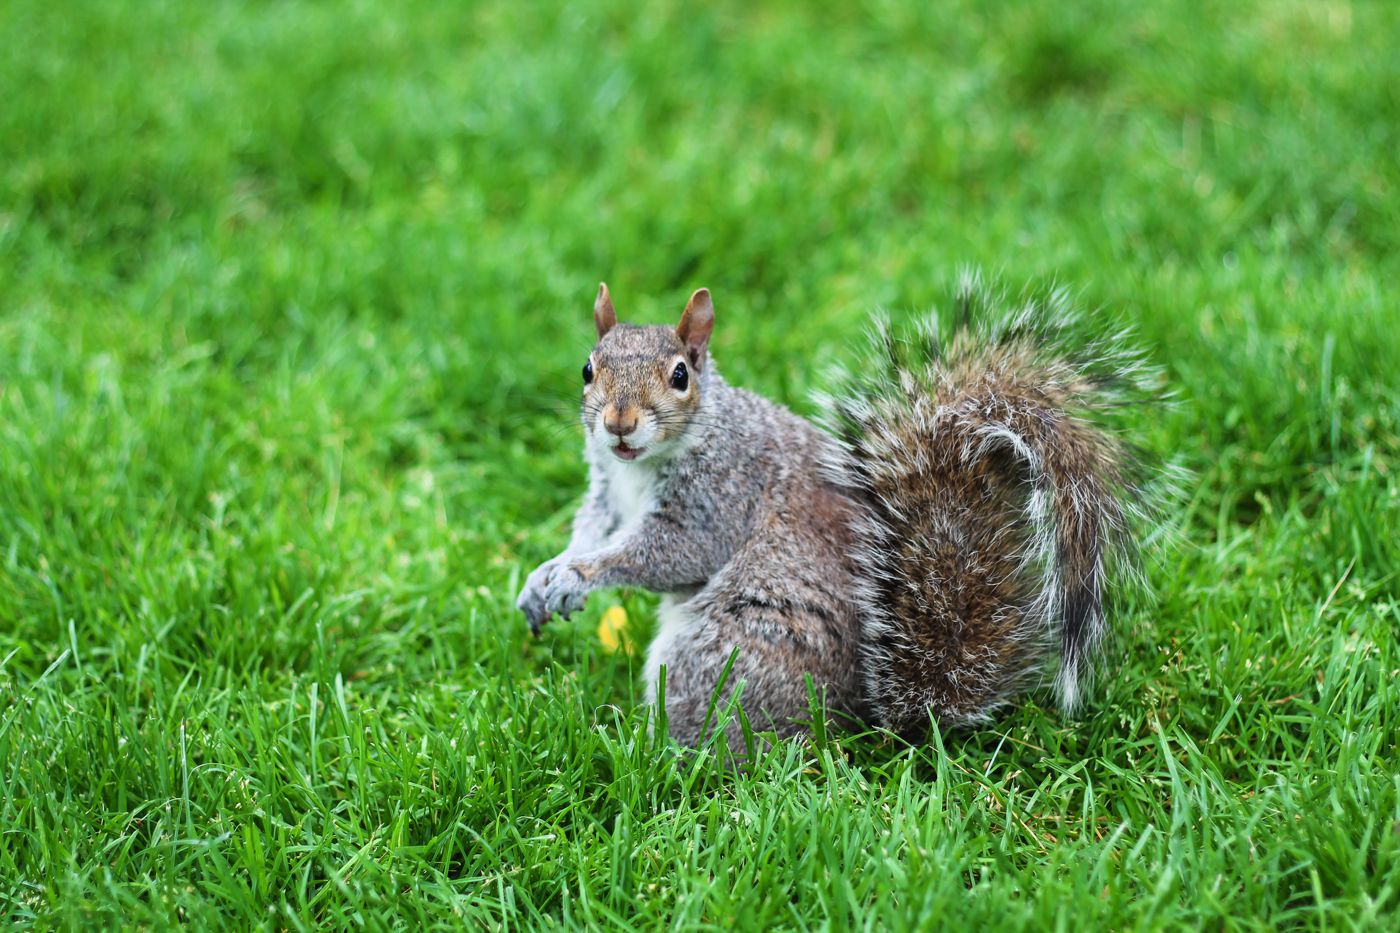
column 621, row 423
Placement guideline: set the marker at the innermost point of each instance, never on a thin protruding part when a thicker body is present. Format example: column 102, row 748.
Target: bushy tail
column 999, row 507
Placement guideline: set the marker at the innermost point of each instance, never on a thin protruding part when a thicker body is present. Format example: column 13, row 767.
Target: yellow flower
column 612, row 631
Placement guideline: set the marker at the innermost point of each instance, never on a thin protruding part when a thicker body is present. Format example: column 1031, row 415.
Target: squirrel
column 947, row 531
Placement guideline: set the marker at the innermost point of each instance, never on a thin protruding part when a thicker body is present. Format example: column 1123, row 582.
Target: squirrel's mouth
column 627, row 453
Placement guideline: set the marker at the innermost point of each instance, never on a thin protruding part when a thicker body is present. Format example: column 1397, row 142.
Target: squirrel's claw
column 565, row 592
column 533, row 607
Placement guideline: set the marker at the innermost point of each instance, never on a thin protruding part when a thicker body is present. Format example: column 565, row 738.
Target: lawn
column 293, row 299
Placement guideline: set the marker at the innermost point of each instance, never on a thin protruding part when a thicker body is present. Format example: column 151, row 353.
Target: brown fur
column 995, row 507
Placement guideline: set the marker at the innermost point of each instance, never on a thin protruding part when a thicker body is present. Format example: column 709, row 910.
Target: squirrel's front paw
column 532, row 596
column 566, row 591
column 553, row 588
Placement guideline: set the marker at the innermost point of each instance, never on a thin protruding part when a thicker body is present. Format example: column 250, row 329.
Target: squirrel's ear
column 604, row 317
column 696, row 324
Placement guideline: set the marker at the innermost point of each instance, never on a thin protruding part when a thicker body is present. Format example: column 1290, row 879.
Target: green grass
column 291, row 295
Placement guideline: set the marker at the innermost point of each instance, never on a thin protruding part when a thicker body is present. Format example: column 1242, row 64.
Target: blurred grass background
column 292, row 295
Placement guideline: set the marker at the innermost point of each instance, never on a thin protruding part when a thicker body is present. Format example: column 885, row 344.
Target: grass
column 290, row 297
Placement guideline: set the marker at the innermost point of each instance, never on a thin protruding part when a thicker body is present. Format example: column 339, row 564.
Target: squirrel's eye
column 588, row 372
column 680, row 378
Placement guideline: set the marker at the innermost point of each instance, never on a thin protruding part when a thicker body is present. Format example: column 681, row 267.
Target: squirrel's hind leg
column 728, row 642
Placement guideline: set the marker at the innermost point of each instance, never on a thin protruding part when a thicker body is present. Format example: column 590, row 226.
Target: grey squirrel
column 951, row 534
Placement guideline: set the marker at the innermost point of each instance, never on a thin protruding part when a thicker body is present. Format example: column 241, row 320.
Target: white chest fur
column 632, row 490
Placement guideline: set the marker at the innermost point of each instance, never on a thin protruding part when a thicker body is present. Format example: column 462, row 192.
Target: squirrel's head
column 642, row 385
